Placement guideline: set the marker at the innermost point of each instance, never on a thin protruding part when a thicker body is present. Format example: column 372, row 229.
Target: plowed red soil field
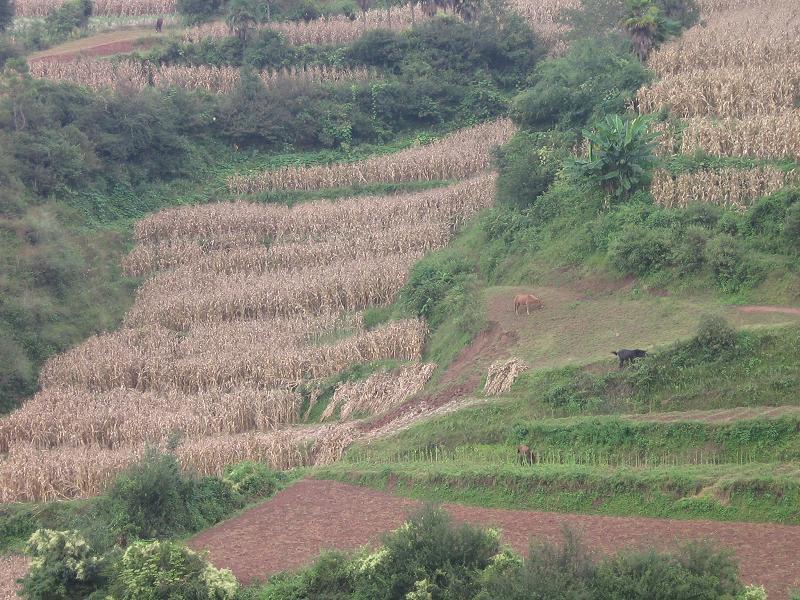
column 291, row 529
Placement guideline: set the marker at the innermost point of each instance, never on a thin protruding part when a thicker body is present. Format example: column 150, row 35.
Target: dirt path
column 290, row 530
column 723, row 415
column 761, row 309
column 103, row 44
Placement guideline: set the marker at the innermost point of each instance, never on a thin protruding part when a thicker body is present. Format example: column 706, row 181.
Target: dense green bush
column 591, row 80
column 252, row 479
column 640, row 250
column 153, row 499
column 715, row 336
column 63, row 566
column 6, row 16
column 429, row 558
column 196, row 11
column 156, row 570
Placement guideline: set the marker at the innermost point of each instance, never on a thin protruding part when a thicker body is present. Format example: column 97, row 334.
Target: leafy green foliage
column 252, row 479
column 591, row 80
column 430, row 558
column 647, row 25
column 620, row 155
column 152, row 499
column 63, row 566
column 155, row 570
column 196, row 11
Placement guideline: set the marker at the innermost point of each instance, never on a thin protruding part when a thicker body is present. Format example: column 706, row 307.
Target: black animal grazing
column 159, row 24
column 629, row 356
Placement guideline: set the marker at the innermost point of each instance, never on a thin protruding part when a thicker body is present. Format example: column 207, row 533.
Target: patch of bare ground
column 290, row 530
column 12, row 567
column 122, row 41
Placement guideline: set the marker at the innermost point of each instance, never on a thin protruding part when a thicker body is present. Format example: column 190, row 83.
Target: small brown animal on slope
column 159, row 24
column 526, row 300
column 526, row 455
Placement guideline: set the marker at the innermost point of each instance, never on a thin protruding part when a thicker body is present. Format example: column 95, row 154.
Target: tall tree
column 644, row 23
column 6, row 14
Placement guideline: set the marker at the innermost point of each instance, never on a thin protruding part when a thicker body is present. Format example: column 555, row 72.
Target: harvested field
column 314, row 515
column 40, row 8
column 12, row 567
column 248, row 309
column 457, row 156
column 98, row 74
column 734, row 188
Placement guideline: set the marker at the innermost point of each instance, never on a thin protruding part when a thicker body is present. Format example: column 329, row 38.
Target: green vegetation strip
column 758, row 494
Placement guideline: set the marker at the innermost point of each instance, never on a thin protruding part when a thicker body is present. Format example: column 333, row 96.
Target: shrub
column 715, row 336
column 550, row 572
column 6, row 16
column 63, row 565
column 593, row 79
column 791, row 226
column 379, row 48
column 727, row 261
column 197, row 11
column 428, row 547
column 528, row 165
column 155, row 570
column 689, row 254
column 640, row 250
column 430, row 280
column 252, row 479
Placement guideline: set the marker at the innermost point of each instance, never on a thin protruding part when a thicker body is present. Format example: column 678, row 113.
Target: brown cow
column 526, row 455
column 526, row 300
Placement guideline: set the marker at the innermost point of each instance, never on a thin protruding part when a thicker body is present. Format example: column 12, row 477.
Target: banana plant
column 620, row 156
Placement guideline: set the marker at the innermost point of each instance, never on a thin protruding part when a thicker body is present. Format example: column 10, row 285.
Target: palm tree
column 644, row 25
column 466, row 9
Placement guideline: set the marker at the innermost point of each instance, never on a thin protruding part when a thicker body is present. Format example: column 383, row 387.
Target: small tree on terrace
column 647, row 26
column 620, row 155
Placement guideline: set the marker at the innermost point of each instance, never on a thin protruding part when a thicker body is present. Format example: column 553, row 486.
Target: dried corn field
column 246, row 310
column 734, row 188
column 99, row 74
column 337, row 29
column 734, row 84
column 132, row 8
column 456, row 156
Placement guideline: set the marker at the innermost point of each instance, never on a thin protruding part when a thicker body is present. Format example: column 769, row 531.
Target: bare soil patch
column 122, row 41
column 291, row 529
column 12, row 567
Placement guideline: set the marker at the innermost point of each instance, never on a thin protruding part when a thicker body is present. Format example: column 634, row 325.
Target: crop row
column 107, row 362
column 223, row 224
column 735, row 188
column 456, row 156
column 99, row 74
column 132, row 8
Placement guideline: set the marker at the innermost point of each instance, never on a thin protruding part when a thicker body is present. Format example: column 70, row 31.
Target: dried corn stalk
column 378, row 392
column 502, row 374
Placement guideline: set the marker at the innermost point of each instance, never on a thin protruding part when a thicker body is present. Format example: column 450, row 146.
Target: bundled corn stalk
column 456, row 156
column 502, row 374
column 379, row 392
column 726, row 92
column 58, row 417
column 735, row 188
column 224, row 225
column 99, row 74
column 41, row 8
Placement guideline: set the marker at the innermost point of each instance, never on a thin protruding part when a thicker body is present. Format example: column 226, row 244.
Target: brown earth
column 12, row 567
column 290, row 530
column 121, row 41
